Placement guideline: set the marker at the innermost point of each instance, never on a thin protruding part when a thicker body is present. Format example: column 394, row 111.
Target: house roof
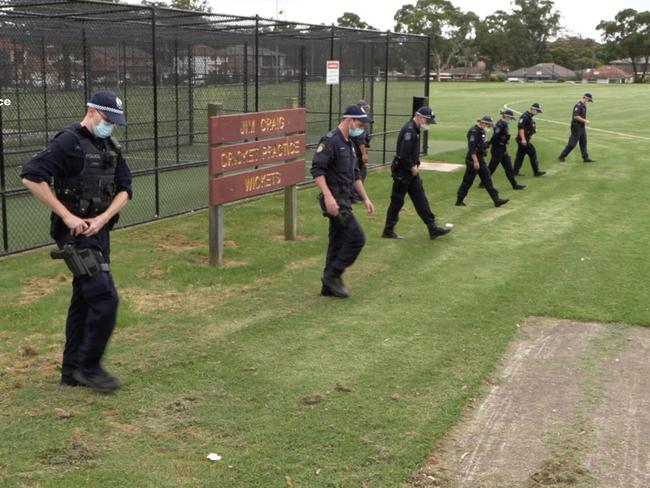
column 607, row 71
column 545, row 70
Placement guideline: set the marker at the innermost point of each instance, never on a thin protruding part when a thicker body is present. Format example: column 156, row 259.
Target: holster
column 343, row 215
column 82, row 262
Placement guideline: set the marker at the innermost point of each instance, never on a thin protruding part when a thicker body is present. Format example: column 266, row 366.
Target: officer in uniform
column 406, row 179
column 525, row 130
column 362, row 144
column 336, row 172
column 578, row 130
column 92, row 182
column 475, row 162
column 499, row 149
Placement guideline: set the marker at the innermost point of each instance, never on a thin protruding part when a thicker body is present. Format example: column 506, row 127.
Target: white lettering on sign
column 5, row 102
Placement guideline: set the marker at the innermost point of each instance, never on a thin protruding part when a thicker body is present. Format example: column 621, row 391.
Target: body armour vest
column 91, row 192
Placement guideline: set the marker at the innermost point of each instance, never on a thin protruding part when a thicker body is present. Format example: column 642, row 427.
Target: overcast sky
column 578, row 16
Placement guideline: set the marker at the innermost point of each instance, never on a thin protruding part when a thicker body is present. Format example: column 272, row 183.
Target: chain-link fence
column 167, row 65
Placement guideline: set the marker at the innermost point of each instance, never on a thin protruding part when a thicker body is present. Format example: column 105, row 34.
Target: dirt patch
column 194, row 300
column 176, row 245
column 304, row 263
column 569, row 407
column 35, row 288
column 280, row 237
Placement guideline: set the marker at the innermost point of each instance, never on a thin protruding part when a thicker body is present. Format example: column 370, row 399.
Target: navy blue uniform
column 93, row 307
column 363, row 139
column 407, row 156
column 499, row 151
column 578, row 132
column 477, row 145
column 336, row 160
column 527, row 123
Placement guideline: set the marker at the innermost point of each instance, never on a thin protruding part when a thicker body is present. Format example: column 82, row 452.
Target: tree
column 451, row 30
column 196, row 5
column 531, row 25
column 349, row 19
column 576, row 53
column 629, row 32
column 493, row 40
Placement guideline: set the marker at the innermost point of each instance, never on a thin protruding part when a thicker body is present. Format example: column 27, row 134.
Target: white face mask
column 424, row 127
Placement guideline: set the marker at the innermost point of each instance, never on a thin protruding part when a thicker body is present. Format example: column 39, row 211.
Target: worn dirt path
column 569, row 407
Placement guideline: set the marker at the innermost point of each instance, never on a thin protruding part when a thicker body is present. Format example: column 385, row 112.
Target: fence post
column 155, row 108
column 215, row 213
column 84, row 51
column 190, row 91
column 3, row 197
column 329, row 126
column 245, row 66
column 427, row 67
column 291, row 196
column 17, row 93
column 363, row 73
column 303, row 78
column 125, row 96
column 386, row 66
column 178, row 149
column 44, row 79
column 257, row 63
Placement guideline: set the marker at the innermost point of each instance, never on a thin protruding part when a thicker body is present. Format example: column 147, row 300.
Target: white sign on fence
column 333, row 71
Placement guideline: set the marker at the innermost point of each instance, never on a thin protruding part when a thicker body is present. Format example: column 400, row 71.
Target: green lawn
column 293, row 389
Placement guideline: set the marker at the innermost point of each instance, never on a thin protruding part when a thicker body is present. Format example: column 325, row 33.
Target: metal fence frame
column 164, row 52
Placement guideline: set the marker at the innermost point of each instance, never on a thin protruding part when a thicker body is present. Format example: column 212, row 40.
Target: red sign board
column 239, row 156
column 230, row 128
column 235, row 187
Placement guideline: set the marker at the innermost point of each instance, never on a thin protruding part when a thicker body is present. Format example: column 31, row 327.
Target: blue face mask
column 355, row 131
column 103, row 129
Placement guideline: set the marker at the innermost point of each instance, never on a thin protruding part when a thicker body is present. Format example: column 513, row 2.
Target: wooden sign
column 231, row 128
column 280, row 148
column 234, row 157
column 235, row 187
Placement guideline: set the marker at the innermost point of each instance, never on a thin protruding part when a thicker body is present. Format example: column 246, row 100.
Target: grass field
column 293, row 389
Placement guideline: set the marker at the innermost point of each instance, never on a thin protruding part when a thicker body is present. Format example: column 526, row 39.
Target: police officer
column 475, row 163
column 525, row 130
column 362, row 144
column 406, row 179
column 579, row 130
column 92, row 183
column 499, row 148
column 336, row 172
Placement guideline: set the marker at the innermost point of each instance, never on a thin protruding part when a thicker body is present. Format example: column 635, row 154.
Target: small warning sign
column 333, row 71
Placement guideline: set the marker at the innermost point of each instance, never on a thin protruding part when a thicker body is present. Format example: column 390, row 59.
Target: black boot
column 332, row 280
column 460, row 202
column 390, row 234
column 500, row 201
column 435, row 232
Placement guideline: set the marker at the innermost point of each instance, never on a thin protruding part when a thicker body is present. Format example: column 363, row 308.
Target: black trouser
column 413, row 186
column 523, row 150
column 92, row 313
column 578, row 134
column 346, row 239
column 500, row 155
column 468, row 178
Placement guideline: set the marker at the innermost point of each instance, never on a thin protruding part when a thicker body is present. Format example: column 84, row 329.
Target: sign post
column 271, row 157
column 215, row 212
column 291, row 197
